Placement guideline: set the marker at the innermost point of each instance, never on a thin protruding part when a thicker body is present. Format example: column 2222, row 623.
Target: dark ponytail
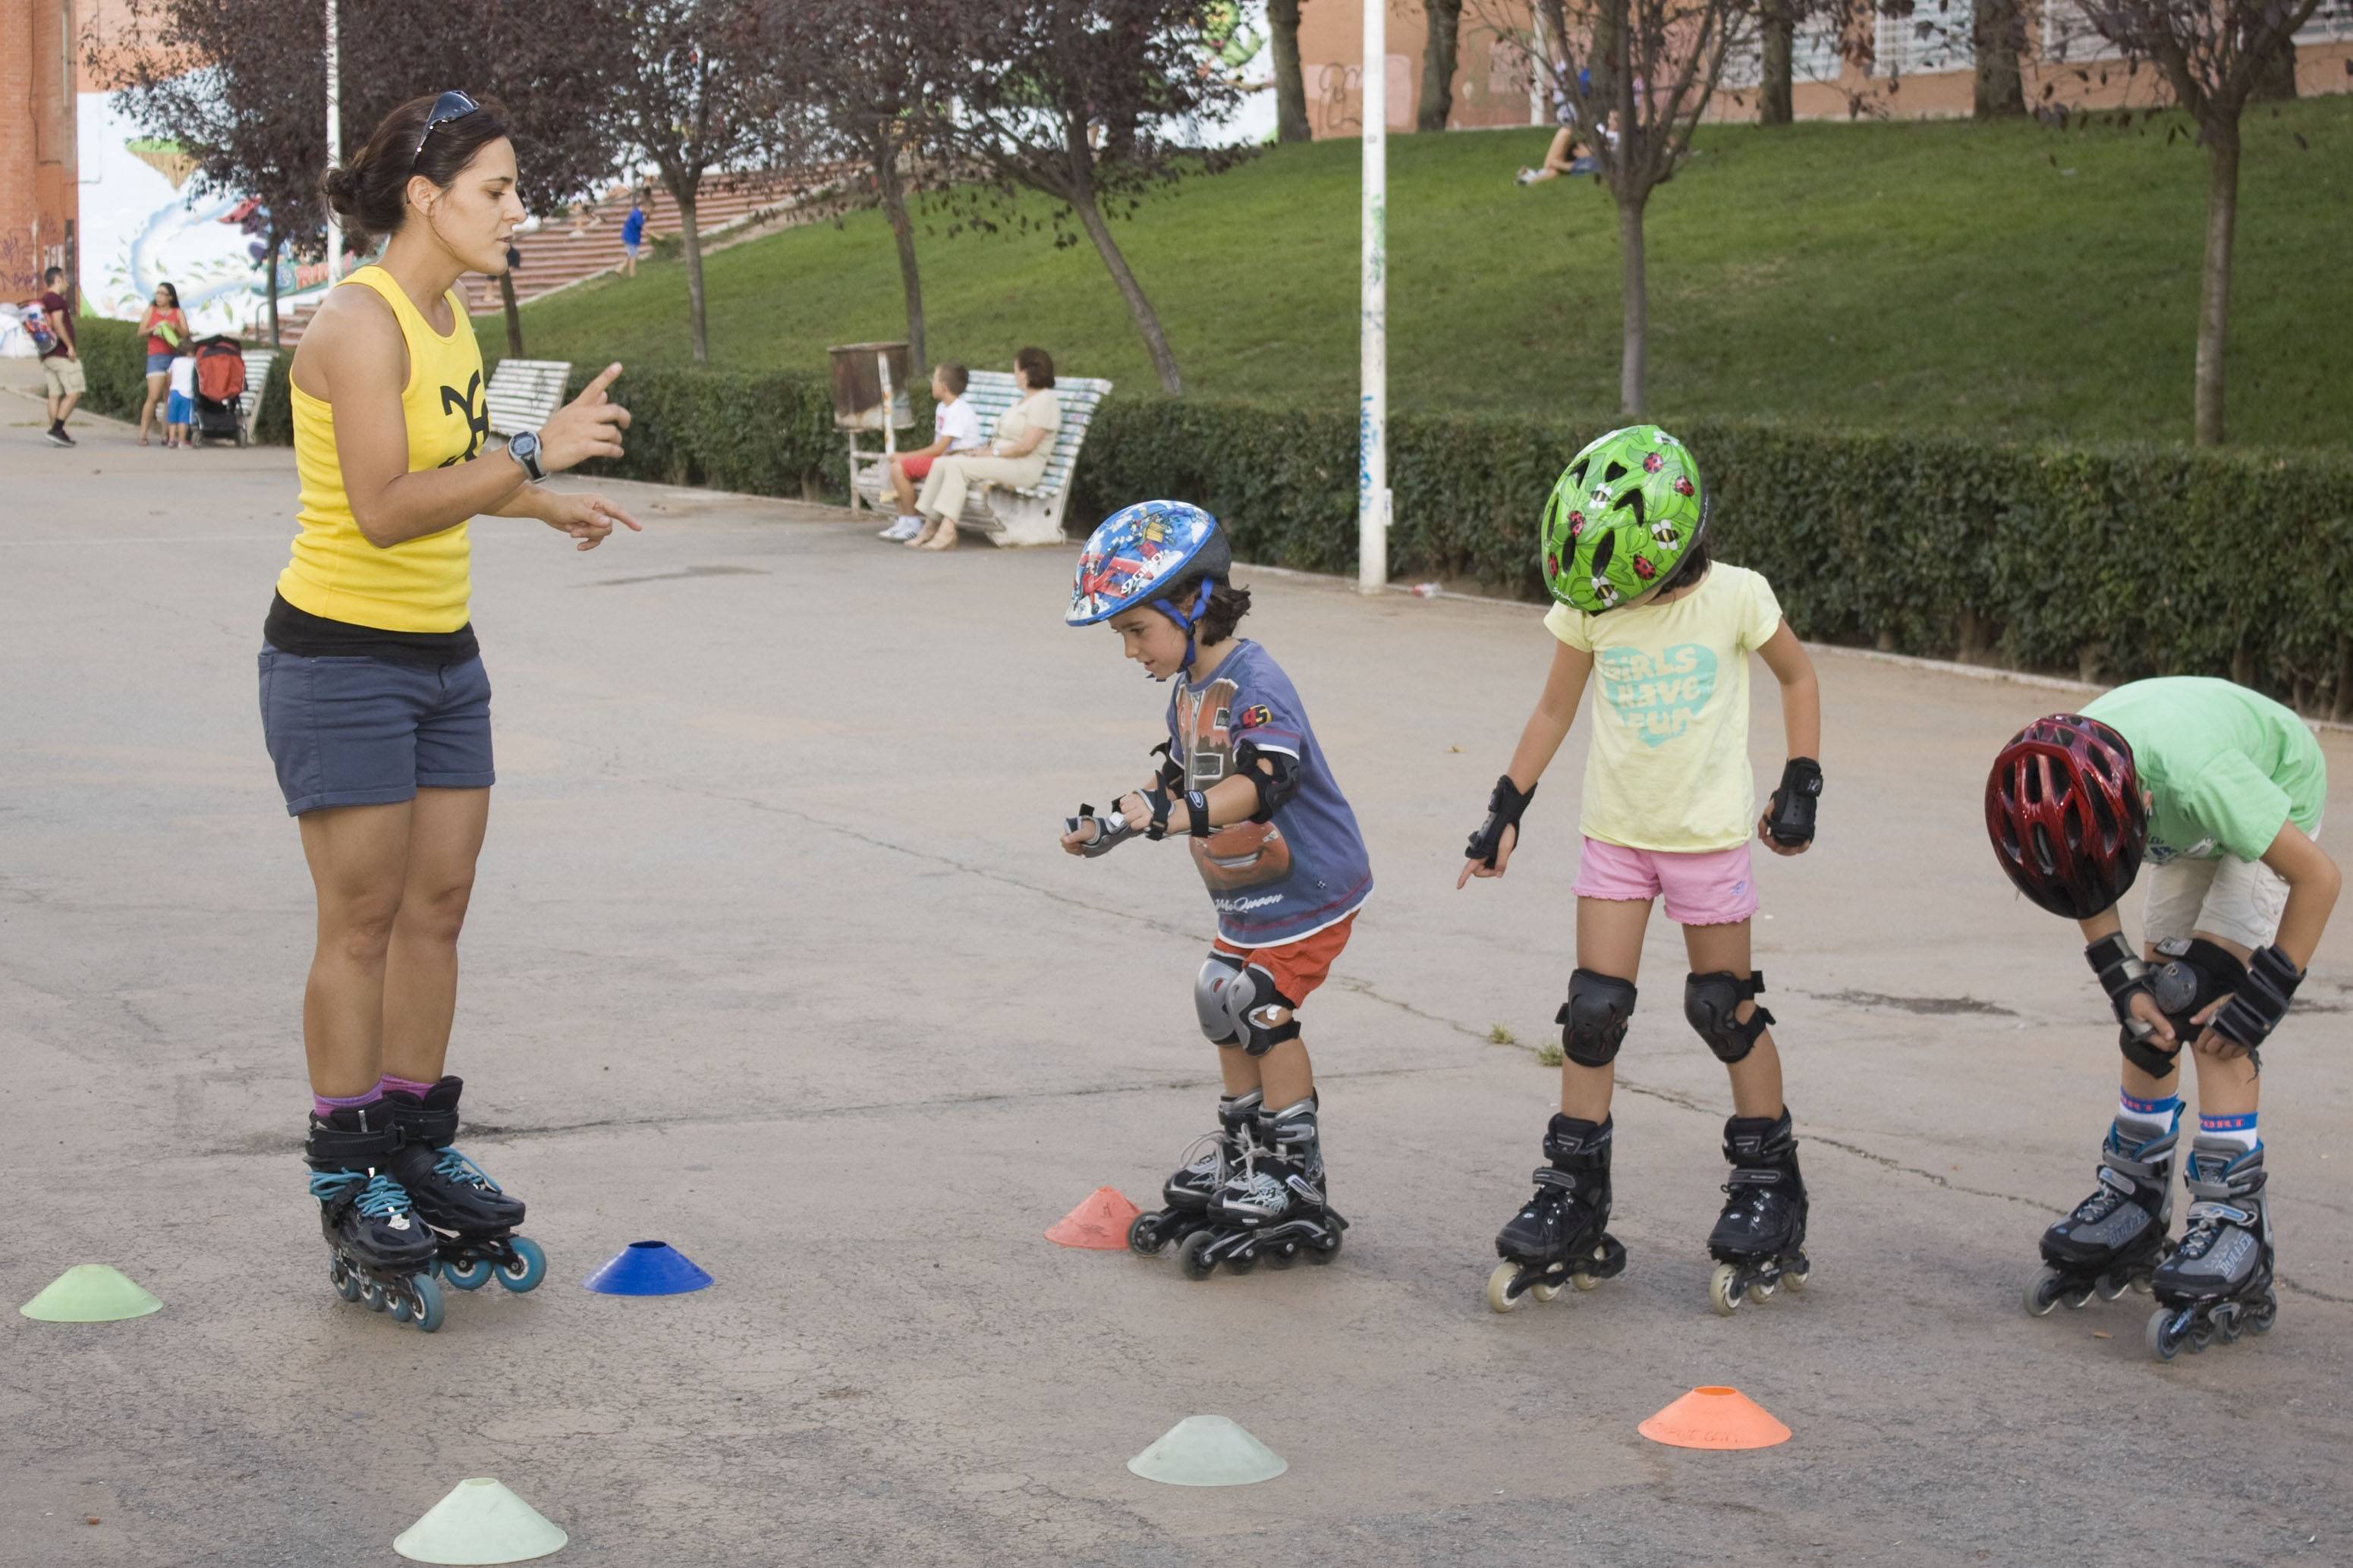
column 369, row 190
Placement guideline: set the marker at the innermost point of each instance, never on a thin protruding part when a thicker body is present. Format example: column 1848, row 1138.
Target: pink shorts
column 1711, row 888
column 916, row 466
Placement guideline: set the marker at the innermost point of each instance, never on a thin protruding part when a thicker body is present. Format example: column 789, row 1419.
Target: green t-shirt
column 2225, row 765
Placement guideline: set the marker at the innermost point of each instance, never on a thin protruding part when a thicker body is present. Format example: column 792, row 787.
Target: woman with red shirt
column 167, row 326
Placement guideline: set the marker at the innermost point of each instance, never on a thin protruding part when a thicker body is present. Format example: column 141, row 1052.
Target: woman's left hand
column 586, row 518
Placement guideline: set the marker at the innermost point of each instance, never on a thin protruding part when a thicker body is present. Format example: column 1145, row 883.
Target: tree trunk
column 885, row 154
column 1090, row 219
column 2275, row 81
column 691, row 239
column 1290, row 84
column 514, row 315
column 2214, row 286
column 277, row 246
column 1634, row 290
column 1996, row 34
column 1438, row 65
column 1775, row 104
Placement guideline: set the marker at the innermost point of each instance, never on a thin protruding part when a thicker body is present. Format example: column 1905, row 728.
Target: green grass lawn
column 2004, row 278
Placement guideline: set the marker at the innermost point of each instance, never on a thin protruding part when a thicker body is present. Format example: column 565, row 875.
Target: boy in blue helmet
column 1242, row 778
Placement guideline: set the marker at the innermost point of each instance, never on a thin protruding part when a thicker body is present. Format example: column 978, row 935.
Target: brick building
column 39, row 175
column 1899, row 72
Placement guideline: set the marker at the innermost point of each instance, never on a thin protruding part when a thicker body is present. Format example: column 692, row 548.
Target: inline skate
column 383, row 1251
column 2218, row 1283
column 2116, row 1238
column 1273, row 1205
column 1562, row 1237
column 472, row 1219
column 1185, row 1195
column 1759, row 1241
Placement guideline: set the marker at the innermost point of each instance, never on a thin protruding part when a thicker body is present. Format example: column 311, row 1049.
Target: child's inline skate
column 1562, row 1237
column 472, row 1219
column 1759, row 1241
column 2116, row 1238
column 383, row 1251
column 2218, row 1283
column 1272, row 1205
column 1185, row 1195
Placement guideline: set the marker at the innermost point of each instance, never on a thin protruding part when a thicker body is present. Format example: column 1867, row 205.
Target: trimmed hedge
column 114, row 362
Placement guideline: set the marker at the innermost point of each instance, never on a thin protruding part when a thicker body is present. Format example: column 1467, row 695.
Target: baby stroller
column 220, row 388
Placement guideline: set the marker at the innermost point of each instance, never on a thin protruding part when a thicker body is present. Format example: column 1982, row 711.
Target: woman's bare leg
column 358, row 857
column 155, row 385
column 420, row 975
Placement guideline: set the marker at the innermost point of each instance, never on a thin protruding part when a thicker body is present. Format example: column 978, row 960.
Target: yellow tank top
column 420, row 585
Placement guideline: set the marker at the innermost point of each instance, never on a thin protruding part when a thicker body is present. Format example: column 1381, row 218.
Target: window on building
column 1813, row 55
column 2068, row 35
column 1934, row 36
column 2331, row 20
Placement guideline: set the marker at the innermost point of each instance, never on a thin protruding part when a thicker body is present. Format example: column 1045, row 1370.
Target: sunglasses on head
column 447, row 106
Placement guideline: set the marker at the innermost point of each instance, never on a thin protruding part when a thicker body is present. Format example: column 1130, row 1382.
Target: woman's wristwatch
column 523, row 447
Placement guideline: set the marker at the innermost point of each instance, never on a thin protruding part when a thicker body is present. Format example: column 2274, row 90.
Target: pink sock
column 389, row 1084
column 327, row 1104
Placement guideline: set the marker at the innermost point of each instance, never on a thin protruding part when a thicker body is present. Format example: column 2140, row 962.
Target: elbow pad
column 1275, row 787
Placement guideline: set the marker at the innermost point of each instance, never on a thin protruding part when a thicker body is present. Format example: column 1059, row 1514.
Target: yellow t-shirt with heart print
column 420, row 584
column 1668, row 764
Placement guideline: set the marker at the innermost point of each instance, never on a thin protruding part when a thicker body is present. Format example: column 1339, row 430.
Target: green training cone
column 1208, row 1451
column 91, row 1293
column 480, row 1522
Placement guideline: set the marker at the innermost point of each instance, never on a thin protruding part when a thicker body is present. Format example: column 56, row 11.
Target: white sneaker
column 904, row 528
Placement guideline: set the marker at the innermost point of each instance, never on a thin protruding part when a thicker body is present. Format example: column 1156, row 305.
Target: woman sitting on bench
column 1017, row 458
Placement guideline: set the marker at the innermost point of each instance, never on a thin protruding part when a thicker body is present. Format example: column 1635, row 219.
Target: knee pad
column 2189, row 975
column 1593, row 1020
column 1240, row 1006
column 1712, row 1005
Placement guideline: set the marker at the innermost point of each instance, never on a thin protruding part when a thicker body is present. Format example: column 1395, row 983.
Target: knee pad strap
column 1712, row 1005
column 1593, row 1020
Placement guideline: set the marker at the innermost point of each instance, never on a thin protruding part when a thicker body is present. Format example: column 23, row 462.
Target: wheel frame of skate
column 412, row 1298
column 1726, row 1288
column 1279, row 1245
column 2050, row 1286
column 1150, row 1232
column 2197, row 1325
column 1509, row 1283
column 518, row 1262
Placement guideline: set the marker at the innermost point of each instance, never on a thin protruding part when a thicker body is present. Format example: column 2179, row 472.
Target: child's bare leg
column 1755, row 1077
column 1239, row 1069
column 904, row 488
column 1284, row 1072
column 1560, row 155
column 1609, row 947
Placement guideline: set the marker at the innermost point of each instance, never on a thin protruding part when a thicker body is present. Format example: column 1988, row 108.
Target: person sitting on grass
column 955, row 428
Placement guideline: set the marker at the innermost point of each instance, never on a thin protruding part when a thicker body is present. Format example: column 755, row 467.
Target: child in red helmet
column 2220, row 791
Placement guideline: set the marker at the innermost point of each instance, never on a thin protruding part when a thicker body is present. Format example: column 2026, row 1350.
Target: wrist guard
column 2122, row 974
column 2256, row 1009
column 1197, row 813
column 1789, row 815
column 1160, row 801
column 1504, row 807
column 1110, row 832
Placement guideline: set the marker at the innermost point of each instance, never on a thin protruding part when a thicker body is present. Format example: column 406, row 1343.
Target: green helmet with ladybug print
column 1623, row 516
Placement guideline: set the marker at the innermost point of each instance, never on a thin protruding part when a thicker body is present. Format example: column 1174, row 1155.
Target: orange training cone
column 1715, row 1418
column 1100, row 1223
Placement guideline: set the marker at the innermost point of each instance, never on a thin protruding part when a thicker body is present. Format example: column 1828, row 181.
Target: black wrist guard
column 1110, row 832
column 1789, row 815
column 2122, row 974
column 2251, row 1014
column 1504, row 810
column 1160, row 802
column 1197, row 813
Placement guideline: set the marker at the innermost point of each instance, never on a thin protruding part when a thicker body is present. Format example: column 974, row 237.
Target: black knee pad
column 1237, row 1003
column 1712, row 1003
column 1593, row 1020
column 1209, row 997
column 2191, row 973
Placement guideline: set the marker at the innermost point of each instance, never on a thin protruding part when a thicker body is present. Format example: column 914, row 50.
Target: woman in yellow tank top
column 373, row 700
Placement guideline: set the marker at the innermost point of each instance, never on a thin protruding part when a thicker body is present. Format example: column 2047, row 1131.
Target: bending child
column 1668, row 795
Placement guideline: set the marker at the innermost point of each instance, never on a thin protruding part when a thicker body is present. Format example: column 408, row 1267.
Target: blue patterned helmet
column 1164, row 553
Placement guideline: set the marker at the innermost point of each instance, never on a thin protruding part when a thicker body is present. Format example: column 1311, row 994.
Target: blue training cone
column 647, row 1269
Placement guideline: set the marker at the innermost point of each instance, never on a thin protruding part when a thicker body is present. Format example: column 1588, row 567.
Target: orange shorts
column 1297, row 968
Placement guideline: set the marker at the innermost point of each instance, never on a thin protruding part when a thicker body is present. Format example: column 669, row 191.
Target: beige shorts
column 2239, row 900
column 64, row 376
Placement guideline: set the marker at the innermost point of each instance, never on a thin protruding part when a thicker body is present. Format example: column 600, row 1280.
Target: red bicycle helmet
column 2064, row 807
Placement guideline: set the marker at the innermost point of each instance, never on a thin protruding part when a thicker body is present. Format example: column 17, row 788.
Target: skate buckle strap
column 1752, row 1176
column 2210, row 1213
column 1546, row 1177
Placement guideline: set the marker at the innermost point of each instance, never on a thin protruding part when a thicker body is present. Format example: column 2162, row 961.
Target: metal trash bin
column 871, row 389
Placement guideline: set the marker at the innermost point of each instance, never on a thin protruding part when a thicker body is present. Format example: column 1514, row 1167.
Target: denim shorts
column 351, row 729
column 160, row 364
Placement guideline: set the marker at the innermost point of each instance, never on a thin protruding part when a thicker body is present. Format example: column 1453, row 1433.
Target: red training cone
column 1100, row 1223
column 1715, row 1418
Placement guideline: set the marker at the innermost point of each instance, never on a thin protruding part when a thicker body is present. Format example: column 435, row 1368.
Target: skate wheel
column 2142, row 1285
column 2112, row 1286
column 2168, row 1331
column 1582, row 1281
column 1243, row 1262
column 346, row 1283
column 529, row 1265
column 400, row 1307
column 1193, row 1256
column 1324, row 1253
column 471, row 1275
column 1723, row 1290
column 2262, row 1314
column 2043, row 1292
column 422, row 1305
column 1796, row 1279
column 1544, row 1292
column 372, row 1294
column 1283, row 1256
column 1144, row 1238
column 1501, row 1296
column 1763, row 1290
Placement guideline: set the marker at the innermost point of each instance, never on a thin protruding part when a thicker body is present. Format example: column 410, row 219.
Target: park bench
column 525, row 393
column 256, row 376
column 1008, row 516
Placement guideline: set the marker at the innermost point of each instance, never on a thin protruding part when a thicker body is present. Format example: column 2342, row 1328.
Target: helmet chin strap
column 1185, row 619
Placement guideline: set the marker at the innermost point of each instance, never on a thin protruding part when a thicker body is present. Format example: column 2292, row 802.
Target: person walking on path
column 374, row 704
column 1016, row 459
column 60, row 360
column 633, row 236
column 167, row 326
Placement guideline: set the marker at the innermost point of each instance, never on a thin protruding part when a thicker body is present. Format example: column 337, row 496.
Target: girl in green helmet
column 1669, row 806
